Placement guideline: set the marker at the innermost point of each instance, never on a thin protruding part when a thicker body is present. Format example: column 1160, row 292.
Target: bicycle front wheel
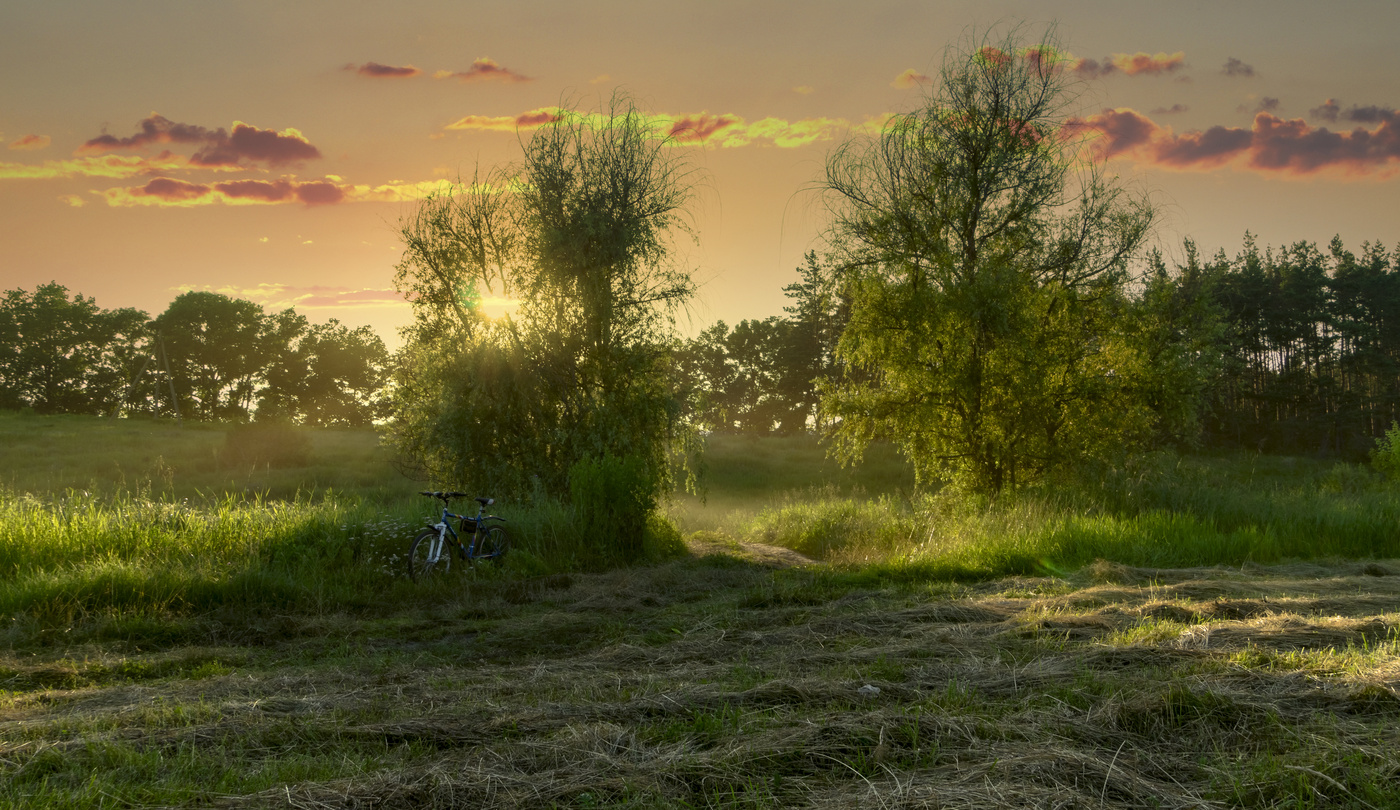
column 421, row 564
column 492, row 544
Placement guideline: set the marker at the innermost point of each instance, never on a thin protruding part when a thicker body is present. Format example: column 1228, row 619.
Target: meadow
column 182, row 624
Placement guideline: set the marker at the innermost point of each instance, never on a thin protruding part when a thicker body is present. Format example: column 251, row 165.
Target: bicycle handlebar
column 447, row 496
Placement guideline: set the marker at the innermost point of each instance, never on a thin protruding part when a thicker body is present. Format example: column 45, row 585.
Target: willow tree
column 581, row 233
column 985, row 254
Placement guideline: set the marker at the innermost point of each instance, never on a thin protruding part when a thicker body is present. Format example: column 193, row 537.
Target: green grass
column 44, row 455
column 1171, row 512
column 179, row 631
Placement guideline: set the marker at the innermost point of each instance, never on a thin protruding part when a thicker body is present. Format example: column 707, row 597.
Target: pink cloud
column 374, row 70
column 29, row 143
column 1272, row 144
column 483, row 69
column 218, row 148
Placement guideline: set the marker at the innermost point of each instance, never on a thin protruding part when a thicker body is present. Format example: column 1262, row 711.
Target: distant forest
column 1302, row 346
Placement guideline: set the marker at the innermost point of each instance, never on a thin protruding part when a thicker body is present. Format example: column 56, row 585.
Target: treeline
column 1298, row 349
column 208, row 357
column 1310, row 356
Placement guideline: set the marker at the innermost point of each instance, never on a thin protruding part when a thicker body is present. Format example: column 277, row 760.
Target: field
column 1197, row 632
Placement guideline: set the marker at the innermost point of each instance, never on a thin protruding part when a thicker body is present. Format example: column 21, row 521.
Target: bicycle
column 431, row 553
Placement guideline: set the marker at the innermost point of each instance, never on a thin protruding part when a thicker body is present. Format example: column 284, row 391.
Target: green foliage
column 760, row 377
column 986, row 270
column 1386, row 457
column 323, row 374
column 62, row 355
column 1311, row 350
column 613, row 498
column 216, row 347
column 581, row 370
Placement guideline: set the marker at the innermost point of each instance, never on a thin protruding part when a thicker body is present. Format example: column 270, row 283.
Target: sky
column 268, row 150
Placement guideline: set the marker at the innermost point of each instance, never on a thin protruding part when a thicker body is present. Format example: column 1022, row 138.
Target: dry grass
column 735, row 681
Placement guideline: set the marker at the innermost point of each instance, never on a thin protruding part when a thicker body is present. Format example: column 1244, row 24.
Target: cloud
column 374, row 70
column 1266, row 104
column 110, row 166
column 258, row 145
column 1327, row 112
column 1172, row 110
column 169, row 192
column 509, row 123
column 483, row 69
column 1151, row 64
column 599, row 79
column 803, row 90
column 1130, row 64
column 699, row 128
column 1331, row 112
column 73, row 200
column 1234, row 67
column 218, row 147
column 30, row 143
column 909, row 78
column 724, row 130
column 1271, row 145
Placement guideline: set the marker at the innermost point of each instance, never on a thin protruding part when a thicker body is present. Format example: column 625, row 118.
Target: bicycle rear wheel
column 421, row 566
column 492, row 544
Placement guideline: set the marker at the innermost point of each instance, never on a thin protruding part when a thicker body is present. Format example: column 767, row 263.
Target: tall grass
column 1165, row 512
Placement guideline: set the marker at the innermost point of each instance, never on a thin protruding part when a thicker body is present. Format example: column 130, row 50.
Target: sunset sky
column 267, row 149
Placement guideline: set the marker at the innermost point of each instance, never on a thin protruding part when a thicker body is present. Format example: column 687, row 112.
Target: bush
column 613, row 498
column 1386, row 457
column 266, row 444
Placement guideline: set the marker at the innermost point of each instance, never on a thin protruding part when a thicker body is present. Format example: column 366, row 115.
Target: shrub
column 1386, row 457
column 613, row 498
column 266, row 444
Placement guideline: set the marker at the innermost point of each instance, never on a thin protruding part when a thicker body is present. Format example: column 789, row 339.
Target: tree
column 322, row 374
column 62, row 355
column 581, row 234
column 985, row 256
column 218, row 348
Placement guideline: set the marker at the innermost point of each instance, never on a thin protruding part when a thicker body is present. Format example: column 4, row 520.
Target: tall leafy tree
column 580, row 232
column 323, row 374
column 984, row 256
column 218, row 348
column 65, row 355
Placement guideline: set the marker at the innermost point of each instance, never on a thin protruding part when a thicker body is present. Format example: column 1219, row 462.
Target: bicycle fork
column 439, row 544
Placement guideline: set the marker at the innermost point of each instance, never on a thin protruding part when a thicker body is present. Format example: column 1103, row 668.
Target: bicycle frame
column 444, row 528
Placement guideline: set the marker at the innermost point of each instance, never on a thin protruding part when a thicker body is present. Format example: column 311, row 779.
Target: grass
column 1194, row 632
column 714, row 682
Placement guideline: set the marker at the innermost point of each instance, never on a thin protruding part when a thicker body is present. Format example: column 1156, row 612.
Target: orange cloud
column 30, row 143
column 111, row 166
column 909, row 78
column 1130, row 64
column 166, row 191
column 483, row 69
column 218, row 148
column 374, row 70
column 724, row 130
column 1271, row 144
column 169, row 192
column 509, row 123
